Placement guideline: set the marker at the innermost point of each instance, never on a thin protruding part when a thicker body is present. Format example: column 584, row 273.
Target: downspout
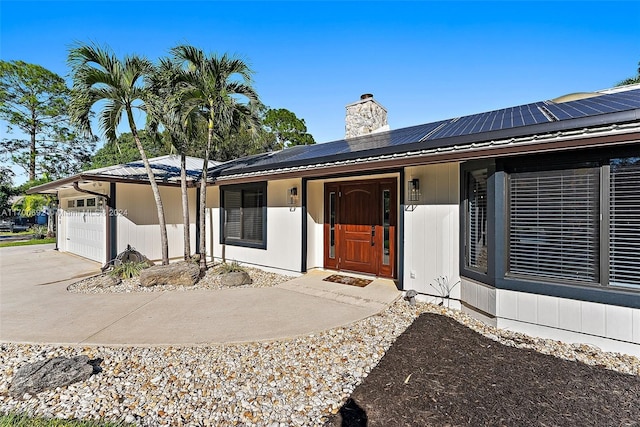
column 107, row 217
column 400, row 240
column 197, row 221
column 303, row 261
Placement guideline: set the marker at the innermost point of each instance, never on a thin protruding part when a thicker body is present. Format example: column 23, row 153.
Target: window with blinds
column 624, row 223
column 476, row 227
column 244, row 215
column 554, row 221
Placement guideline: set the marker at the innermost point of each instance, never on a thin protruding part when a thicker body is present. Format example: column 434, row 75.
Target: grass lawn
column 28, row 243
column 16, row 233
column 21, row 420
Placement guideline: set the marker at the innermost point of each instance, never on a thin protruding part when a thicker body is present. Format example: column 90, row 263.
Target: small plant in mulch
column 444, row 287
column 230, row 267
column 127, row 270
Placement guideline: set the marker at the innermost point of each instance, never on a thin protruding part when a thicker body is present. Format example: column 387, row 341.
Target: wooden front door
column 360, row 225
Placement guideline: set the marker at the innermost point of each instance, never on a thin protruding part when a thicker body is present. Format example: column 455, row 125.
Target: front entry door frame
column 360, row 226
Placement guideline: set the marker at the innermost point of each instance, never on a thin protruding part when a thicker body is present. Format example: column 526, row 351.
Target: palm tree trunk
column 203, row 200
column 164, row 241
column 185, row 206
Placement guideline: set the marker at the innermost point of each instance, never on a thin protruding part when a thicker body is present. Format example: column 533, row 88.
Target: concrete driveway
column 35, row 307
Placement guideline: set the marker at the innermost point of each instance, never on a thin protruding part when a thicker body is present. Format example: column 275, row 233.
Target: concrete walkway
column 35, row 307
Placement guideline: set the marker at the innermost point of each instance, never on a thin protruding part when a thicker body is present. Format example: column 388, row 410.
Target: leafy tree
column 288, row 129
column 218, row 87
column 124, row 150
column 117, row 86
column 631, row 80
column 6, row 191
column 34, row 101
column 244, row 142
column 30, row 205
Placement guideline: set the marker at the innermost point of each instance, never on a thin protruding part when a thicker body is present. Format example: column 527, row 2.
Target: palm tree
column 165, row 108
column 100, row 77
column 214, row 86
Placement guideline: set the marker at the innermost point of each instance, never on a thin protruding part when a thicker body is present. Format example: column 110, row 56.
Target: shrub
column 39, row 231
column 231, row 267
column 129, row 269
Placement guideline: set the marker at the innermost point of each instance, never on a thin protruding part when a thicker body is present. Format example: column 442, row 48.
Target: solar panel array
column 430, row 133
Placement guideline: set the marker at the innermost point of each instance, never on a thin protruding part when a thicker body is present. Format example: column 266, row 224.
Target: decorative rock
column 51, row 373
column 177, row 274
column 107, row 280
column 235, row 278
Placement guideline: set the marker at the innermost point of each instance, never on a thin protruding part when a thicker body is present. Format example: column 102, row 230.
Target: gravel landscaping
column 102, row 283
column 299, row 382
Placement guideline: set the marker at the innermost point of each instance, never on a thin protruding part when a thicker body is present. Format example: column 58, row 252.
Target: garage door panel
column 85, row 234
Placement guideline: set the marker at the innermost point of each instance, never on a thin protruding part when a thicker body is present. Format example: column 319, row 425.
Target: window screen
column 554, row 220
column 624, row 223
column 244, row 214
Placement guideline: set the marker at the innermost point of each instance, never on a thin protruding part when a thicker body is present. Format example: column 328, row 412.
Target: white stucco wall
column 431, row 234
column 137, row 222
column 284, row 230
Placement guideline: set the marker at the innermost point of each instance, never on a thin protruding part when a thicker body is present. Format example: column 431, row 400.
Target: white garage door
column 85, row 233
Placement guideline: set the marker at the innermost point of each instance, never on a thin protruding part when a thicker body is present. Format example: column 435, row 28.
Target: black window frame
column 497, row 192
column 241, row 188
column 471, row 272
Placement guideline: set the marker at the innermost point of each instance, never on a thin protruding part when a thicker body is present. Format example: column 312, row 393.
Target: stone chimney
column 365, row 116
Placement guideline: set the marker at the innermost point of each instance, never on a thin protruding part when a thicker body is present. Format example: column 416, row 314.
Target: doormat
column 346, row 280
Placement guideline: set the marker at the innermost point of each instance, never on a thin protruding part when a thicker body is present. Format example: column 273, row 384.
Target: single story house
column 529, row 216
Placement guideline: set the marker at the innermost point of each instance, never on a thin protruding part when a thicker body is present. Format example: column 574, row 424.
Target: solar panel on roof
column 431, row 133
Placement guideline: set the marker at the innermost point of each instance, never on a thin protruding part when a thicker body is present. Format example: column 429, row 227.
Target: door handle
column 373, row 235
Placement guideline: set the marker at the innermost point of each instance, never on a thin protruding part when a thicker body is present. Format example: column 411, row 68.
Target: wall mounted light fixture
column 292, row 196
column 413, row 190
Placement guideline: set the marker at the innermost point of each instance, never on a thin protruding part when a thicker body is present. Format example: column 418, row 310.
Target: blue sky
column 424, row 61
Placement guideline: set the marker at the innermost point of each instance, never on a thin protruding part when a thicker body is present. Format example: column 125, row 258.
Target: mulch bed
column 441, row 373
column 346, row 280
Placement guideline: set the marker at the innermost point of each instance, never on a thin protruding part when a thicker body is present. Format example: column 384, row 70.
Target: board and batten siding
column 284, row 231
column 137, row 223
column 431, row 230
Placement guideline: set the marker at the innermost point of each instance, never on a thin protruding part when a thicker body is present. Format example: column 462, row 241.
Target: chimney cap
column 366, row 96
